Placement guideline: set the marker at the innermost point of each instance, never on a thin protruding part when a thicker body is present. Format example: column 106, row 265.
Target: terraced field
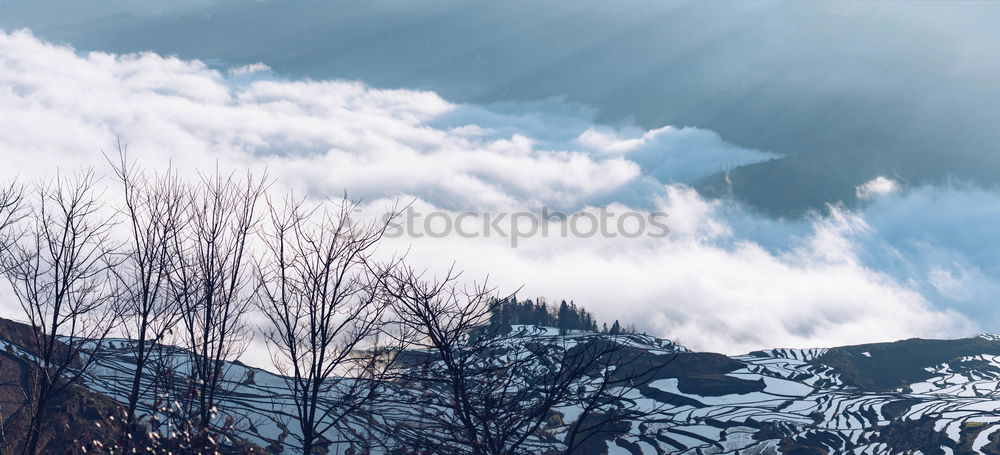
column 912, row 396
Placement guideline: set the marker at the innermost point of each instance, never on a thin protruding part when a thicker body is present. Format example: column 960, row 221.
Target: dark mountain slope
column 73, row 417
column 905, row 397
column 891, row 366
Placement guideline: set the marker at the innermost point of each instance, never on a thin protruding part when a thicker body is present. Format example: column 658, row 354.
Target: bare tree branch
column 482, row 391
column 154, row 209
column 11, row 211
column 326, row 312
column 59, row 271
column 213, row 284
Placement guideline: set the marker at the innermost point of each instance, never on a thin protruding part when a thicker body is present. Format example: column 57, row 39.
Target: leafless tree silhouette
column 213, row 282
column 11, row 211
column 326, row 313
column 59, row 272
column 488, row 392
column 154, row 212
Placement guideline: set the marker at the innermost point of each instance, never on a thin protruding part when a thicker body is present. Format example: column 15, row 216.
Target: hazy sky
column 888, row 107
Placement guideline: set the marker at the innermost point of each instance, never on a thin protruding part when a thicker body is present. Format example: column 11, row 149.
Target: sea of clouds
column 909, row 262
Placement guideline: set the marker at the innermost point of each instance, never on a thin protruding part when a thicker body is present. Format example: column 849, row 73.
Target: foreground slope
column 911, row 396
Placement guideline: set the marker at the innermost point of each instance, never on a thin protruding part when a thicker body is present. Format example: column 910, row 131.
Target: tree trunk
column 133, row 396
column 35, row 426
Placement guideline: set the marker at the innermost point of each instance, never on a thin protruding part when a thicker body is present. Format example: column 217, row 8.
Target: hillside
column 910, row 396
column 73, row 415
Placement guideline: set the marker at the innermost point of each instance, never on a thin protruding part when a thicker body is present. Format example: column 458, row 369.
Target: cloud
column 943, row 240
column 252, row 68
column 725, row 279
column 709, row 285
column 672, row 154
column 878, row 186
column 325, row 135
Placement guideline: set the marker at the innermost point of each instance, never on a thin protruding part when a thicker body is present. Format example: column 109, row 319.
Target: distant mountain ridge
column 912, row 396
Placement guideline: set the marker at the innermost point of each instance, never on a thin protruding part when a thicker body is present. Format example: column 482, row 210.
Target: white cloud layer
column 879, row 186
column 710, row 286
column 725, row 279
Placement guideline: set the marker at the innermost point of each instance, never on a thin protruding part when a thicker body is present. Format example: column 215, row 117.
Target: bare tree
column 59, row 273
column 154, row 210
column 319, row 292
column 472, row 388
column 11, row 211
column 213, row 283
